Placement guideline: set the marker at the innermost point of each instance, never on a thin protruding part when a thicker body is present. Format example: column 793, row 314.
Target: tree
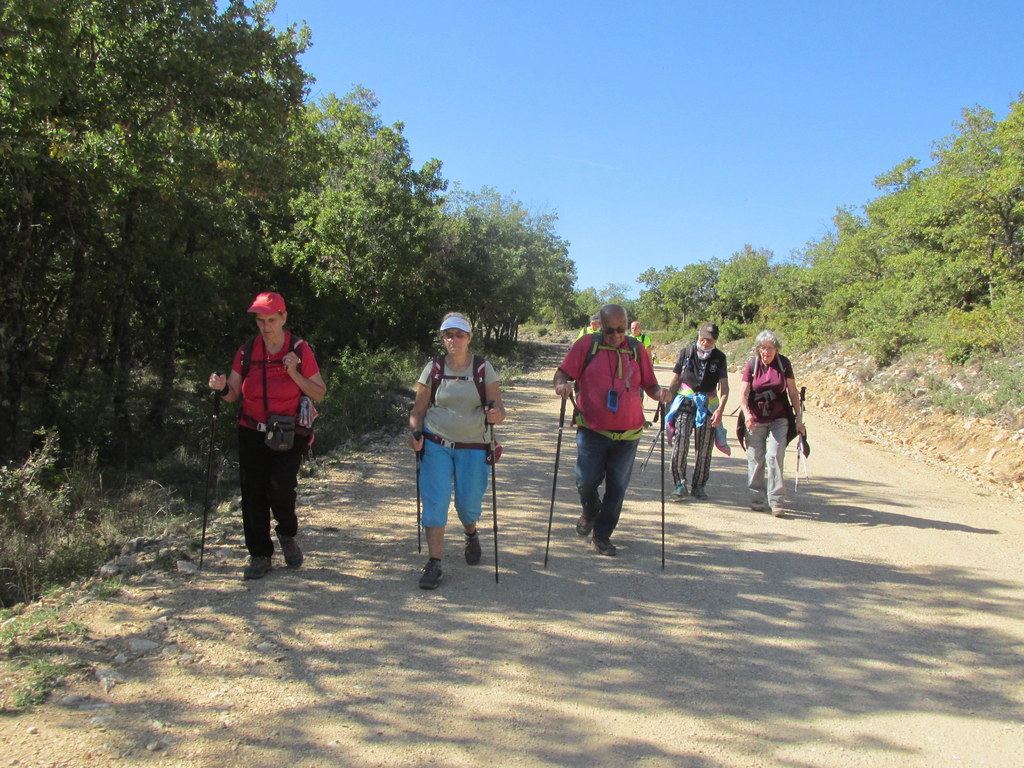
column 741, row 285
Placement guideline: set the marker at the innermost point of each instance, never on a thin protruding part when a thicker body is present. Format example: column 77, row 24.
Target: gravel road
column 881, row 623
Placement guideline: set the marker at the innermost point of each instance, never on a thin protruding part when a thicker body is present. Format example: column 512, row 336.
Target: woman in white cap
column 457, row 396
column 270, row 374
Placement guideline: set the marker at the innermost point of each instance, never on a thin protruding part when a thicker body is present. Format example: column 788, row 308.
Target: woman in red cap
column 271, row 374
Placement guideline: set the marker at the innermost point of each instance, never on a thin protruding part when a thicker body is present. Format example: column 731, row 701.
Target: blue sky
column 667, row 133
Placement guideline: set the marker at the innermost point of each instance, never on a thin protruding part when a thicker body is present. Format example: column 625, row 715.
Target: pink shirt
column 604, row 373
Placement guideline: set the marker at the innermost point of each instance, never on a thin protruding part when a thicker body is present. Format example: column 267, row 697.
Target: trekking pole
column 554, row 479
column 419, row 458
column 209, row 474
column 494, row 497
column 661, row 417
column 661, row 428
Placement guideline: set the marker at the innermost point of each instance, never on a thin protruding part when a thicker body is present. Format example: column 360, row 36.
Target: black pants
column 268, row 479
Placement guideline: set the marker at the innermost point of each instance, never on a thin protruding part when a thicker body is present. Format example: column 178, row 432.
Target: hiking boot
column 757, row 505
column 584, row 525
column 779, row 511
column 679, row 493
column 431, row 574
column 698, row 492
column 472, row 549
column 290, row 550
column 604, row 546
column 257, row 568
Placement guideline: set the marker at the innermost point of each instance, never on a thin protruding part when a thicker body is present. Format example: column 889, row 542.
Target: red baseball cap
column 267, row 304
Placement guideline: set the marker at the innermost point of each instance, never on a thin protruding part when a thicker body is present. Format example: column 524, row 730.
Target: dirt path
column 881, row 624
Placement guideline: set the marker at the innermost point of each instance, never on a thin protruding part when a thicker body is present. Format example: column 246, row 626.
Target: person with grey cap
column 270, row 375
column 594, row 327
column 449, row 423
column 700, row 390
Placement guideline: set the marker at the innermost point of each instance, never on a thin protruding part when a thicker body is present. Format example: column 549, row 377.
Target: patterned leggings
column 703, row 442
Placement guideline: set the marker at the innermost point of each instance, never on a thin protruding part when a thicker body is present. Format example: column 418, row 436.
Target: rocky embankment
column 896, row 406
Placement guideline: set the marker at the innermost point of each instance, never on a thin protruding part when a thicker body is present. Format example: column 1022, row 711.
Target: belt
column 449, row 444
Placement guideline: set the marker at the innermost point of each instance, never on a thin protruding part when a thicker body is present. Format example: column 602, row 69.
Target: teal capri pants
column 443, row 467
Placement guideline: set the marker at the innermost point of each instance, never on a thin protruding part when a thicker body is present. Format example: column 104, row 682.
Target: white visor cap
column 456, row 322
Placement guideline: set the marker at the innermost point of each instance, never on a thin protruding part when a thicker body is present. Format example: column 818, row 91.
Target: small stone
column 121, row 659
column 142, row 645
column 110, row 569
column 154, row 746
column 187, row 566
column 32, row 729
column 266, row 647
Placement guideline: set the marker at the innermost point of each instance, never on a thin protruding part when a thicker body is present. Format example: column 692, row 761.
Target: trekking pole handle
column 219, row 394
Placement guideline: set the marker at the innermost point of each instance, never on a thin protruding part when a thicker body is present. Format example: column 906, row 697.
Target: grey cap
column 708, row 331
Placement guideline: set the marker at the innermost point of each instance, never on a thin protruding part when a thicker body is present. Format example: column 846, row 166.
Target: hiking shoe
column 779, row 511
column 679, row 493
column 290, row 550
column 584, row 525
column 698, row 492
column 757, row 505
column 257, row 568
column 472, row 549
column 604, row 546
column 431, row 574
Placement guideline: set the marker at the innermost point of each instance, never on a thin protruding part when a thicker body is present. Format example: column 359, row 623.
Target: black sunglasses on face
column 621, row 329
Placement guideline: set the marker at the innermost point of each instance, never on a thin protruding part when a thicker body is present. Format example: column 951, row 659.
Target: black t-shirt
column 701, row 375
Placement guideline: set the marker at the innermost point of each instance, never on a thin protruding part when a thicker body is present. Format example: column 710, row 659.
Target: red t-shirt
column 282, row 393
column 602, row 375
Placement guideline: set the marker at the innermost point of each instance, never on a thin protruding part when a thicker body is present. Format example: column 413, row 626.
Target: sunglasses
column 454, row 334
column 609, row 331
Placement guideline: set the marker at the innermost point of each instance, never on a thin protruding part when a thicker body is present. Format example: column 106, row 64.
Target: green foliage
column 58, row 524
column 33, row 663
column 366, row 389
column 938, row 255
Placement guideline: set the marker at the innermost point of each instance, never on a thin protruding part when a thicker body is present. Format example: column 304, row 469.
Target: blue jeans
column 601, row 459
column 441, row 468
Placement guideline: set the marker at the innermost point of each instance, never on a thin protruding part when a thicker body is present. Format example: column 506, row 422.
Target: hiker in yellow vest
column 594, row 327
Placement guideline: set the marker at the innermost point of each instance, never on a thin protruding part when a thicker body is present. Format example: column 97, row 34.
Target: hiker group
column 605, row 375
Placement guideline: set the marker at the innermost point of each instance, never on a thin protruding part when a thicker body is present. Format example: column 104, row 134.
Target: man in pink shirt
column 610, row 372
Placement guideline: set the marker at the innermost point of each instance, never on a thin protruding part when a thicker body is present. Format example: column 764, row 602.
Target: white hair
column 766, row 336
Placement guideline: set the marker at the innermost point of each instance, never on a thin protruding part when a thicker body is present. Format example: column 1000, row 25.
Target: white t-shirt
column 457, row 414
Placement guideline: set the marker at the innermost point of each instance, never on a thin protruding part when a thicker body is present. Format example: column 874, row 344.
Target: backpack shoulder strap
column 634, row 347
column 591, row 353
column 436, row 374
column 247, row 356
column 479, row 376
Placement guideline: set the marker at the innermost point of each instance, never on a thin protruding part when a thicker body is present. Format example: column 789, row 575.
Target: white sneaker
column 778, row 510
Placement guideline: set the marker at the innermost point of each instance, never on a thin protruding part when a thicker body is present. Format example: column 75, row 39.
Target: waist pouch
column 279, row 433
